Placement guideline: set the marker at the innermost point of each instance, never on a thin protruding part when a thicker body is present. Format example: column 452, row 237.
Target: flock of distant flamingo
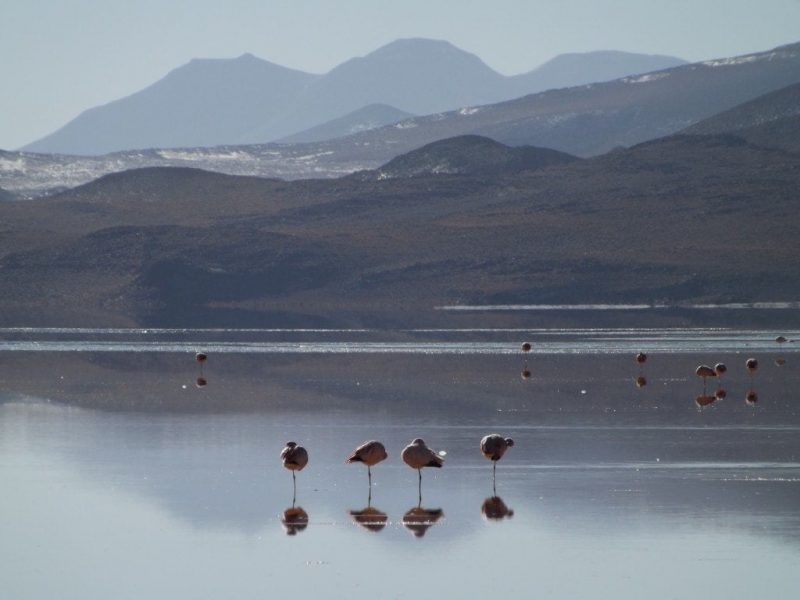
column 703, row 371
column 418, row 455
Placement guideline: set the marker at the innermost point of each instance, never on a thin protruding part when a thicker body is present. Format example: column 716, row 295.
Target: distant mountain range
column 592, row 119
column 583, row 120
column 210, row 102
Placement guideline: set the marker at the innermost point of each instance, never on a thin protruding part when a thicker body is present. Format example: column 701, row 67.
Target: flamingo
column 294, row 458
column 201, row 357
column 370, row 453
column 705, row 372
column 417, row 455
column 493, row 447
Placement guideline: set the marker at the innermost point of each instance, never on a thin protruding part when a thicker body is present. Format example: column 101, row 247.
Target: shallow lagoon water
column 615, row 490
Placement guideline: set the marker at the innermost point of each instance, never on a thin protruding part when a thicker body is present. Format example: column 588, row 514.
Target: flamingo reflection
column 370, row 518
column 294, row 520
column 418, row 520
column 705, row 400
column 494, row 509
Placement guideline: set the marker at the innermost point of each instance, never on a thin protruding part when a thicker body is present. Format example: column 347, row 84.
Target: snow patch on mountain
column 645, row 78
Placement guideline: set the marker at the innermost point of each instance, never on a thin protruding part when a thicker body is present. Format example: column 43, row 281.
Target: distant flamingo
column 641, row 358
column 201, row 357
column 751, row 364
column 705, row 372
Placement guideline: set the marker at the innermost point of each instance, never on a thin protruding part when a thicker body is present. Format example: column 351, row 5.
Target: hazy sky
column 59, row 57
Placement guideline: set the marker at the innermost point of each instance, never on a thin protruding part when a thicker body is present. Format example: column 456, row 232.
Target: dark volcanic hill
column 5, row 195
column 680, row 219
column 469, row 155
column 363, row 119
column 249, row 100
column 771, row 120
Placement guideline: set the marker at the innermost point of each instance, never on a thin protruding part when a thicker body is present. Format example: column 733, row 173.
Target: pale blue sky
column 59, row 57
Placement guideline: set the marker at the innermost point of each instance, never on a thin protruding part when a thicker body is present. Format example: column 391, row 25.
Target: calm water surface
column 123, row 479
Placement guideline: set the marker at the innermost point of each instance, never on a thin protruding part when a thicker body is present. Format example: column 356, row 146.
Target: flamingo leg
column 369, row 475
column 419, row 471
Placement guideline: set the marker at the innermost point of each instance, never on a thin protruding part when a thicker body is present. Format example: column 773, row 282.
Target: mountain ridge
column 244, row 100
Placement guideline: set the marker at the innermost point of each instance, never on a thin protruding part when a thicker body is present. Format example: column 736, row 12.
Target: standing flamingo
column 493, row 447
column 294, row 458
column 417, row 455
column 370, row 453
